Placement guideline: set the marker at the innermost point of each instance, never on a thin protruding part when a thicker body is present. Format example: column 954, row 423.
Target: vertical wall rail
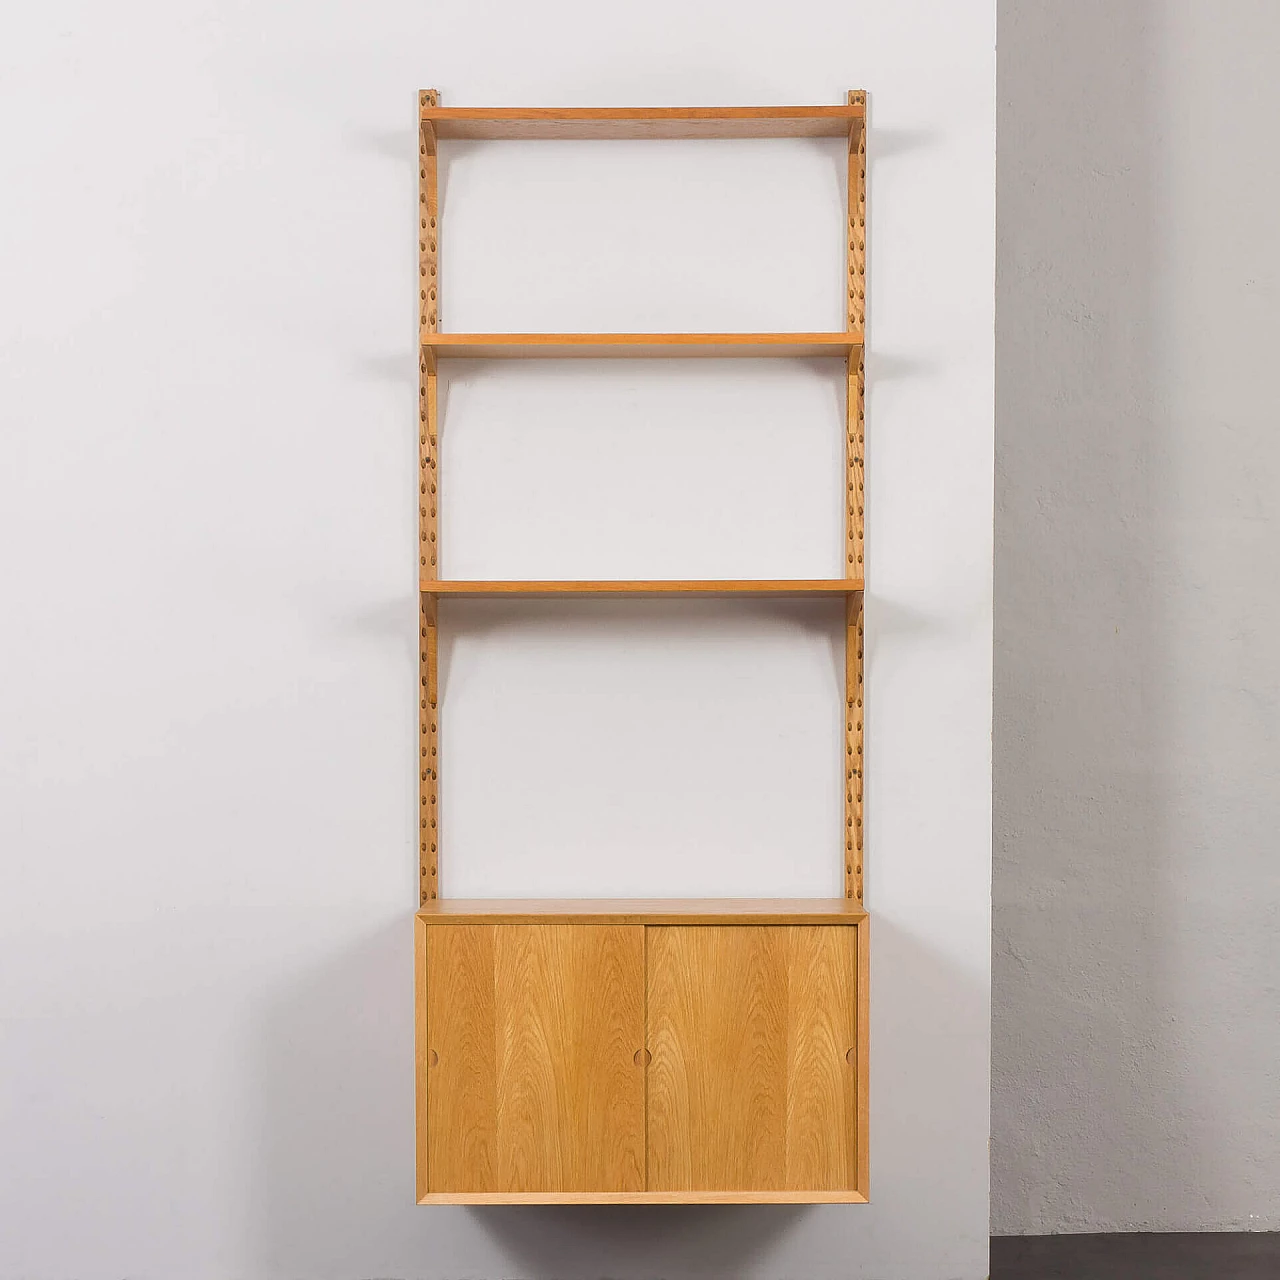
column 428, row 478
column 855, row 453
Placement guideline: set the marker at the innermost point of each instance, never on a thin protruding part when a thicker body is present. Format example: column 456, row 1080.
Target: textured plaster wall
column 208, row 626
column 1136, row 1040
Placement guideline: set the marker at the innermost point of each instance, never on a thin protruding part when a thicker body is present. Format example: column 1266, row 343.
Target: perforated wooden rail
column 855, row 490
column 847, row 121
column 428, row 525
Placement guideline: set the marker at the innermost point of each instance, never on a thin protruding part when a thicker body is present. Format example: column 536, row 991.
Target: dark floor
column 1225, row 1255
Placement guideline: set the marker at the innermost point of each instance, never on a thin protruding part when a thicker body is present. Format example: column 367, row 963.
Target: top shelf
column 495, row 588
column 643, row 122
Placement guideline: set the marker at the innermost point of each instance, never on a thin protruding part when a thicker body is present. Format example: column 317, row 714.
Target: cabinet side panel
column 420, row 1057
column 862, row 1083
column 821, row 1056
column 570, row 1022
column 461, row 1059
column 717, row 1080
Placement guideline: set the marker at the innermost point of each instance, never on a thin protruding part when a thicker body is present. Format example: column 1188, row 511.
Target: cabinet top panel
column 643, row 122
column 642, row 911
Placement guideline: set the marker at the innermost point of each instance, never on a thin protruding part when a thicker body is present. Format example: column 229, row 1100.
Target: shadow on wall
column 331, row 1182
column 1094, row 1107
column 328, row 1189
column 619, row 1240
column 926, row 1007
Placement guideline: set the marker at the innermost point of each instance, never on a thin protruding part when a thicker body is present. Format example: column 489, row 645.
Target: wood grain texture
column 534, row 1086
column 717, row 1027
column 462, row 1085
column 821, row 1080
column 642, row 911
column 570, row 1096
column 862, row 1070
column 641, row 122
column 628, row 587
column 750, row 1088
column 649, row 346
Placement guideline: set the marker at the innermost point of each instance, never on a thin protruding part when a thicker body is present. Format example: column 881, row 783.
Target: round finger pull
column 642, row 1058
column 849, row 1057
column 434, row 1058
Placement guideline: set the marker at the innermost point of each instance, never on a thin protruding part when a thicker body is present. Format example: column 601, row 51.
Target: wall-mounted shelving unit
column 669, row 1051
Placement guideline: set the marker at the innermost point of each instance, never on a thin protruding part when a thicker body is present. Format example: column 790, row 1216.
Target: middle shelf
column 595, row 346
column 630, row 587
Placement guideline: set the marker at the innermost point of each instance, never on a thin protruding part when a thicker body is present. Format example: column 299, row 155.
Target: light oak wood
column 624, row 587
column 428, row 525
column 646, row 1197
column 855, row 469
column 428, row 749
column 642, row 911
column 855, row 490
column 428, row 218
column 750, row 1088
column 462, row 1086
column 856, row 210
column 641, row 122
column 862, row 1060
column 532, row 1030
column 649, row 346
column 853, row 754
column 822, row 1045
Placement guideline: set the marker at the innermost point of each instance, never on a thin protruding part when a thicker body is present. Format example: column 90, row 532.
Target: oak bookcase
column 636, row 1051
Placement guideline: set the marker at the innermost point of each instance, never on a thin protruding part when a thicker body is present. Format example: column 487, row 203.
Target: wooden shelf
column 646, row 911
column 644, row 1197
column 628, row 587
column 643, row 122
column 650, row 346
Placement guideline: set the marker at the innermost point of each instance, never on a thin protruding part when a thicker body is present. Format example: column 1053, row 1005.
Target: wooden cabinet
column 605, row 1053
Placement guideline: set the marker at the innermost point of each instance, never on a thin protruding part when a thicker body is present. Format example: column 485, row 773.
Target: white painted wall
column 1137, row 963
column 207, row 530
